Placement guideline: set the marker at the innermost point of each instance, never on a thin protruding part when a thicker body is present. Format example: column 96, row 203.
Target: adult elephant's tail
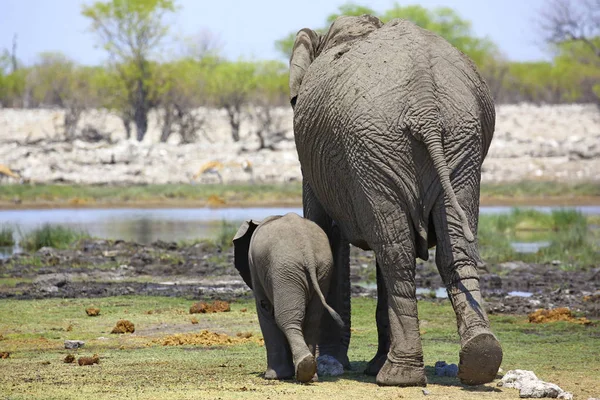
column 433, row 143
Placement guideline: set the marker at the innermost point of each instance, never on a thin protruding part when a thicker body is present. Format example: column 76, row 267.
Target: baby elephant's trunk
column 313, row 277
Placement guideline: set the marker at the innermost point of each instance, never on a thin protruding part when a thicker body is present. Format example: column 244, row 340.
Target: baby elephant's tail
column 313, row 277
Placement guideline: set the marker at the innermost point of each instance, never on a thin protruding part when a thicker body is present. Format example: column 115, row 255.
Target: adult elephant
column 392, row 124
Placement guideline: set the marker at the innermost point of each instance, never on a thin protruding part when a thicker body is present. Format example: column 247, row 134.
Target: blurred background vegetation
column 137, row 79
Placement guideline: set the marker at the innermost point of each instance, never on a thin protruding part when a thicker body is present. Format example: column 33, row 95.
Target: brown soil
column 92, row 312
column 69, row 358
column 206, row 308
column 542, row 316
column 123, row 326
column 204, row 338
column 89, row 360
column 204, row 272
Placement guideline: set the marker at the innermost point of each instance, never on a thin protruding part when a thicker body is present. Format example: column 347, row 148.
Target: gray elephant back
column 371, row 100
column 292, row 236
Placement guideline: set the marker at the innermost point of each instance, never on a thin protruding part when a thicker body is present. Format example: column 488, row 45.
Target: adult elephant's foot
column 395, row 374
column 306, row 369
column 282, row 372
column 375, row 365
column 480, row 359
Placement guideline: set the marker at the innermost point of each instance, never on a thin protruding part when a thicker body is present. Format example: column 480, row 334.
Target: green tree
column 130, row 30
column 442, row 20
column 271, row 91
column 184, row 88
column 571, row 28
column 230, row 86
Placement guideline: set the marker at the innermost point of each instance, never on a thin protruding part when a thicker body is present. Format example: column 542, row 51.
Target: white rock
column 329, row 366
column 531, row 387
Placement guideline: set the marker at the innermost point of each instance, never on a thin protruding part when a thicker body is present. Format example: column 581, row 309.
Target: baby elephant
column 286, row 260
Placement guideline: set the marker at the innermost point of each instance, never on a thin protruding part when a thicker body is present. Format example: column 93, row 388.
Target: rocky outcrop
column 530, row 143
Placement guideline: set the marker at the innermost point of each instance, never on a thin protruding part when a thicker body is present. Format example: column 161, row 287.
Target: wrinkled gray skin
column 392, row 125
column 286, row 260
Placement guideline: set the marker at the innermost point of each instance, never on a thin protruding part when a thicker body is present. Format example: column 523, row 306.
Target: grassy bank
column 568, row 237
column 137, row 365
column 180, row 195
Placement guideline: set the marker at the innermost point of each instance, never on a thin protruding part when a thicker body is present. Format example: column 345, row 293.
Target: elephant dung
column 204, row 308
column 557, row 314
column 89, row 360
column 92, row 311
column 124, row 326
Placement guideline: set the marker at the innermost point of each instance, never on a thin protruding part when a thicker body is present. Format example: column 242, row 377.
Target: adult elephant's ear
column 241, row 245
column 303, row 54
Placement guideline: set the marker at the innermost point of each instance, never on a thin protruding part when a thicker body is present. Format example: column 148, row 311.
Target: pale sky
column 249, row 28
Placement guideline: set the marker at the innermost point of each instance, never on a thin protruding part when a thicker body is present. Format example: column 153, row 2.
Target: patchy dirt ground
column 100, row 268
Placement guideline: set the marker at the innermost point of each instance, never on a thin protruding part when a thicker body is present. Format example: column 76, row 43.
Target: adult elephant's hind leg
column 404, row 364
column 333, row 340
column 456, row 259
column 383, row 327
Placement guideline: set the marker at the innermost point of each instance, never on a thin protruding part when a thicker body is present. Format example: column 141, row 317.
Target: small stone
column 329, row 366
column 74, row 344
column 443, row 369
column 426, row 392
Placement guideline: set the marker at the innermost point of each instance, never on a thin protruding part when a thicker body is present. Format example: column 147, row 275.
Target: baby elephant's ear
column 241, row 245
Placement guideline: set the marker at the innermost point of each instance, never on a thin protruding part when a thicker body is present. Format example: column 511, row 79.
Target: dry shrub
column 557, row 314
column 214, row 201
column 4, row 354
column 124, row 326
column 205, row 308
column 92, row 311
column 204, row 338
column 69, row 358
column 194, row 320
column 244, row 309
column 89, row 360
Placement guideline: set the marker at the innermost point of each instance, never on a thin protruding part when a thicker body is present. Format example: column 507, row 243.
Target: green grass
column 56, row 236
column 132, row 367
column 187, row 194
column 7, row 236
column 571, row 240
column 90, row 194
column 540, row 188
column 225, row 234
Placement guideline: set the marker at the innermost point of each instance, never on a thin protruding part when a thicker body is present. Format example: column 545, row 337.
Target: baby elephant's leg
column 311, row 327
column 290, row 308
column 279, row 356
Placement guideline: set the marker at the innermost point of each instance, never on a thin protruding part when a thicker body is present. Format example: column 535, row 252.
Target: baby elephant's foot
column 480, row 359
column 306, row 369
column 396, row 374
